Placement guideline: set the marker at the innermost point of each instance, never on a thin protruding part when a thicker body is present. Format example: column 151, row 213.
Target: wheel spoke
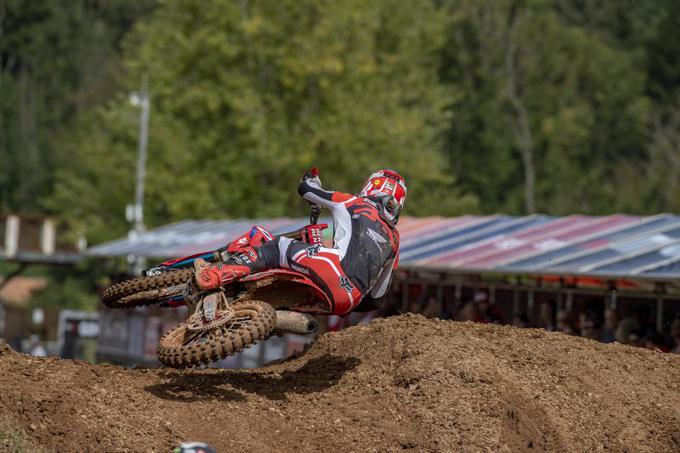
column 188, row 344
column 190, row 339
column 212, row 334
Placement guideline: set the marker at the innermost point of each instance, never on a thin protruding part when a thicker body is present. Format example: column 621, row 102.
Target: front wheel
column 182, row 347
column 140, row 291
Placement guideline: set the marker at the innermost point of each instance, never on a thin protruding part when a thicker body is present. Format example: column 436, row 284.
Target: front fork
column 183, row 263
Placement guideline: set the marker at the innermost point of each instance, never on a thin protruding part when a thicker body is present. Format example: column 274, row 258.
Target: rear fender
column 285, row 289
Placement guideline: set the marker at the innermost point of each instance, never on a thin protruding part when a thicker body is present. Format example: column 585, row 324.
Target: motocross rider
column 358, row 268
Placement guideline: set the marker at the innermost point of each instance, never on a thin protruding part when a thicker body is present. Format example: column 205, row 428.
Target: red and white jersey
column 367, row 243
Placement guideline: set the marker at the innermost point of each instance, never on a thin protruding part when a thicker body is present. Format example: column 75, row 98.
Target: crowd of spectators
column 593, row 319
column 604, row 325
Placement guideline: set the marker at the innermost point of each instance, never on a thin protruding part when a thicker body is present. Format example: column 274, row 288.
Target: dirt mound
column 399, row 383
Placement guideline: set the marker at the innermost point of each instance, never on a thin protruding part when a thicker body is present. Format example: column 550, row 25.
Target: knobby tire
column 181, row 348
column 115, row 296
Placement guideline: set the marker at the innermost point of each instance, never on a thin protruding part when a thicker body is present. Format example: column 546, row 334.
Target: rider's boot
column 212, row 276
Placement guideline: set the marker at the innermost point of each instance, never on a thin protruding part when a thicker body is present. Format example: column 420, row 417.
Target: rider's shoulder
column 341, row 197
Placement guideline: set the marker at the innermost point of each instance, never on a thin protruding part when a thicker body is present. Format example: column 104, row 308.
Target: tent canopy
column 617, row 246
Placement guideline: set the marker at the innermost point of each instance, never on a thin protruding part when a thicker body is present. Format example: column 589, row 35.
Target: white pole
column 141, row 158
column 140, row 99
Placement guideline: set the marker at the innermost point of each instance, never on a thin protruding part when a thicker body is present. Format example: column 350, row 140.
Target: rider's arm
column 310, row 189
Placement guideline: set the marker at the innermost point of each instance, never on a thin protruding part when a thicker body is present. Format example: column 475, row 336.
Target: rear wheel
column 140, row 291
column 250, row 321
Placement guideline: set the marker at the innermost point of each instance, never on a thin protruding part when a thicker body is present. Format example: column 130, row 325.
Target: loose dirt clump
column 399, row 383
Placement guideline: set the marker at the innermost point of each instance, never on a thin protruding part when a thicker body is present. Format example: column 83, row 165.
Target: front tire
column 140, row 291
column 180, row 348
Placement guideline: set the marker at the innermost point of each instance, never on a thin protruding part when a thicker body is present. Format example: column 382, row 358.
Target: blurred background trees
column 515, row 106
column 59, row 59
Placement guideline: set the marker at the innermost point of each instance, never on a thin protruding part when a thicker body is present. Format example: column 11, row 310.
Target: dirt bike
column 223, row 322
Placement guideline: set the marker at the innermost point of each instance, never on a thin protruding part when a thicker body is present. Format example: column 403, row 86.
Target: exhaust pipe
column 294, row 322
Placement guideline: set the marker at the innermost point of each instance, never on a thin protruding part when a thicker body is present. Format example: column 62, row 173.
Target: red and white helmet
column 390, row 186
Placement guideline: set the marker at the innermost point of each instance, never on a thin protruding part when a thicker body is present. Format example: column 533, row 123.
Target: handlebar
column 314, row 214
column 316, row 210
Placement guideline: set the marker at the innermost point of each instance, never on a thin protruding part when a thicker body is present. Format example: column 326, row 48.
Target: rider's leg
column 322, row 266
column 212, row 276
column 255, row 259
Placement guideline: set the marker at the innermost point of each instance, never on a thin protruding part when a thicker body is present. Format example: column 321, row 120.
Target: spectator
column 636, row 338
column 487, row 313
column 415, row 292
column 546, row 318
column 415, row 306
column 656, row 342
column 642, row 315
column 627, row 331
column 565, row 322
column 589, row 324
column 468, row 312
column 37, row 348
column 646, row 333
column 433, row 308
column 589, row 328
column 611, row 320
column 449, row 309
column 520, row 320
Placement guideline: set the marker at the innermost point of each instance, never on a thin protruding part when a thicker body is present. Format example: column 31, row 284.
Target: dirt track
column 399, row 383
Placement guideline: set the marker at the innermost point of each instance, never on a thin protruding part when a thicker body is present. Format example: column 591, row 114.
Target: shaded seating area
column 595, row 276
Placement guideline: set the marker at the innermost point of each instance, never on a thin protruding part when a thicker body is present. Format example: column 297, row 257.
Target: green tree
column 507, row 105
column 549, row 109
column 664, row 59
column 247, row 95
column 58, row 59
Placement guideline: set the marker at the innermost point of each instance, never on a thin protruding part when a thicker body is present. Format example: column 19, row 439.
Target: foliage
column 72, row 287
column 663, row 170
column 580, row 100
column 514, row 106
column 58, row 59
column 247, row 96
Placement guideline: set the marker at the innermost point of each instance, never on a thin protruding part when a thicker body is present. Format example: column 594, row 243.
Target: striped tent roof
column 607, row 246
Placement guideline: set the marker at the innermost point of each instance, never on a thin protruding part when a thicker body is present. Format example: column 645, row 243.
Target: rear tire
column 119, row 295
column 180, row 348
